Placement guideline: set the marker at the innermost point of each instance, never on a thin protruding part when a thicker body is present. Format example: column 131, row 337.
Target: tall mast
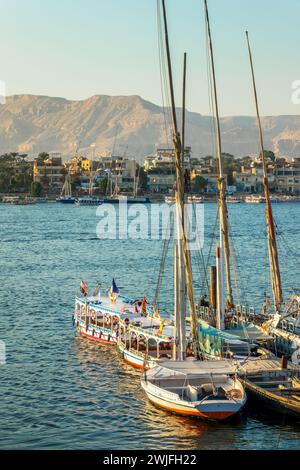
column 180, row 192
column 224, row 243
column 272, row 243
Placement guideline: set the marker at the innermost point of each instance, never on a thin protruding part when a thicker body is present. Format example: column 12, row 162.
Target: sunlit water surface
column 58, row 391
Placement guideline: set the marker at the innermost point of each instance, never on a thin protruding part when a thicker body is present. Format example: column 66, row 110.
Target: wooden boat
column 254, row 199
column 217, row 344
column 66, row 192
column 206, row 390
column 144, row 341
column 278, row 388
column 97, row 317
column 89, row 201
column 284, row 325
column 234, row 200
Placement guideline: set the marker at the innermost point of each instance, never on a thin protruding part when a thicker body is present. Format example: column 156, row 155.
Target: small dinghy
column 208, row 390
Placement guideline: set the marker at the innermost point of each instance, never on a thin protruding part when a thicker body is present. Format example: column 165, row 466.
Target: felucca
column 221, row 313
column 284, row 324
column 208, row 390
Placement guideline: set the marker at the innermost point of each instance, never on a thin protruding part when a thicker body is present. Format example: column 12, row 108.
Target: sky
column 78, row 48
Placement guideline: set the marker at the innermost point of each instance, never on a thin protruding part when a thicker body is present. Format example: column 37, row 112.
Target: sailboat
column 284, row 324
column 90, row 200
column 66, row 193
column 115, row 196
column 209, row 390
column 222, row 329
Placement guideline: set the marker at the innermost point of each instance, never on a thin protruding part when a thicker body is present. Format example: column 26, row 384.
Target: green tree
column 42, row 157
column 143, row 178
column 102, row 185
column 36, row 189
column 199, row 184
column 269, row 155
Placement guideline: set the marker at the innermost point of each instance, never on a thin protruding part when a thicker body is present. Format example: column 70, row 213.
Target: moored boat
column 89, row 201
column 276, row 386
column 254, row 199
column 97, row 317
column 144, row 341
column 209, row 391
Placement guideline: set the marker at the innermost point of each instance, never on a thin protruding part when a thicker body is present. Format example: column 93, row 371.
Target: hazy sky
column 78, row 48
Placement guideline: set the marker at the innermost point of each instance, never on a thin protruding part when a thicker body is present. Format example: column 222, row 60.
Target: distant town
column 45, row 175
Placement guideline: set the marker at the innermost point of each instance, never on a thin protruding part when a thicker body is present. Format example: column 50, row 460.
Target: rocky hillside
column 33, row 124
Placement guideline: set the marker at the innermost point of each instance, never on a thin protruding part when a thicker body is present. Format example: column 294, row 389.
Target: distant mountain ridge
column 32, row 124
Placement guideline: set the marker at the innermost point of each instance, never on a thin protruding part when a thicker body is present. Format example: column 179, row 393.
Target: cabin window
column 291, row 327
column 284, row 325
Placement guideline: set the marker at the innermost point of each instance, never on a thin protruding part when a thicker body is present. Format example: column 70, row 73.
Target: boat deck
column 266, row 365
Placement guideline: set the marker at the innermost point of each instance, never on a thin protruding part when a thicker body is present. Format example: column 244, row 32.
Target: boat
column 243, row 346
column 234, row 200
column 97, row 317
column 10, row 199
column 170, row 199
column 254, row 199
column 195, row 199
column 276, row 385
column 186, row 385
column 206, row 390
column 66, row 192
column 142, row 342
column 124, row 199
column 223, row 330
column 285, row 322
column 113, row 195
column 89, row 201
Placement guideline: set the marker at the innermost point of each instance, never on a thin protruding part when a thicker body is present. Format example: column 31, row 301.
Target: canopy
column 193, row 367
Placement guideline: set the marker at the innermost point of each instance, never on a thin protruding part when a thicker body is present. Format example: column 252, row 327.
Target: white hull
column 207, row 396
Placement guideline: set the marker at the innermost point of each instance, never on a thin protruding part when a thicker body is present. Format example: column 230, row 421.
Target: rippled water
column 58, row 391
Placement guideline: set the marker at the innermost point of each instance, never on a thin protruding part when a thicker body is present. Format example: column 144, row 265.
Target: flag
column 114, row 289
column 83, row 287
column 160, row 329
column 97, row 290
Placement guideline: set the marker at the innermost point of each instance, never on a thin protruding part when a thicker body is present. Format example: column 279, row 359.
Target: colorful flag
column 97, row 290
column 114, row 289
column 83, row 287
column 160, row 329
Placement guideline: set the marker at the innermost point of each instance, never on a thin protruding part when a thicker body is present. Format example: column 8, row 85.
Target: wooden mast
column 221, row 183
column 272, row 243
column 180, row 192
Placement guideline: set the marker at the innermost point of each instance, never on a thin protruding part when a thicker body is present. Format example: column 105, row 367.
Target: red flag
column 83, row 287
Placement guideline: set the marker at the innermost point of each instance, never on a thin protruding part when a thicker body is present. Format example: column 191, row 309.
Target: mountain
column 32, row 124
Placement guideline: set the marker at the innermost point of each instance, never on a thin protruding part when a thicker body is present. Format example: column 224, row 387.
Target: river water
column 58, row 391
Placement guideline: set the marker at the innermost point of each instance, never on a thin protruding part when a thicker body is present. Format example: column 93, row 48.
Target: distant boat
column 254, row 199
column 234, row 200
column 130, row 200
column 66, row 192
column 66, row 200
column 89, row 201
